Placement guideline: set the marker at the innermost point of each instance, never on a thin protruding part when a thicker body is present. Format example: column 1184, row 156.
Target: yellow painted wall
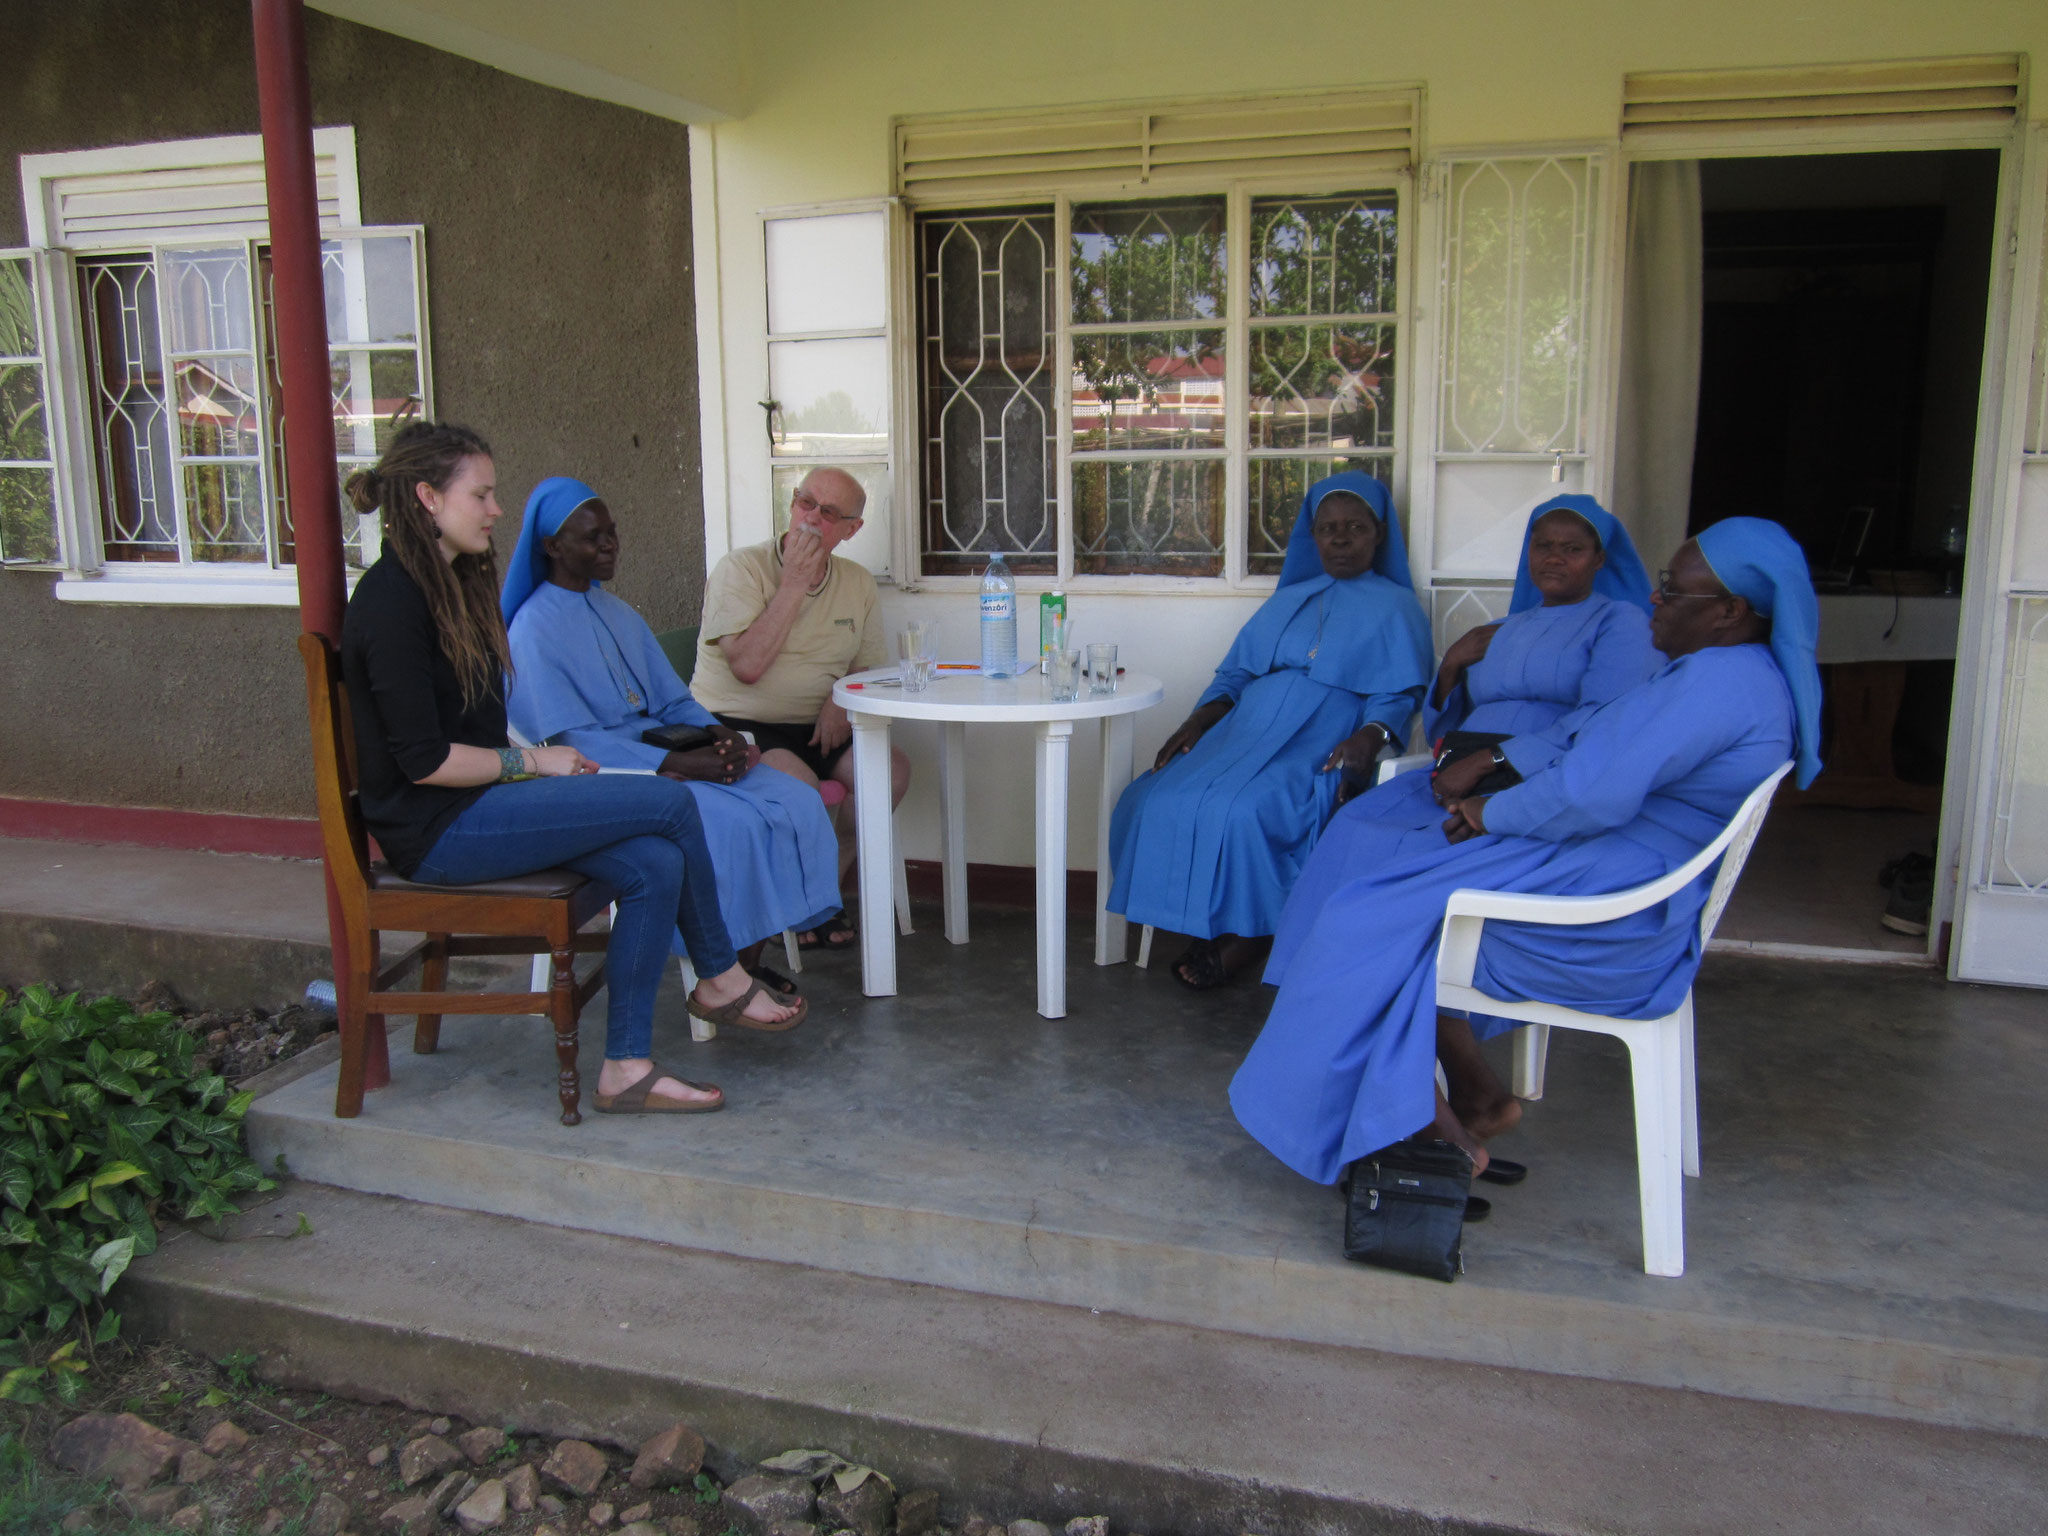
column 832, row 77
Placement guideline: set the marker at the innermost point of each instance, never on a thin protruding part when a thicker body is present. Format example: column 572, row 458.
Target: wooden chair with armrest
column 538, row 914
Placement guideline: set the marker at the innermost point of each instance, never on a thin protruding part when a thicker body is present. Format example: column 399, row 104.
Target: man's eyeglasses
column 807, row 503
column 1664, row 594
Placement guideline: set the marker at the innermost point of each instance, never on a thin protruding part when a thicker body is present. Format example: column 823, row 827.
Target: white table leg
column 953, row 826
column 1055, row 738
column 1117, row 736
column 875, row 830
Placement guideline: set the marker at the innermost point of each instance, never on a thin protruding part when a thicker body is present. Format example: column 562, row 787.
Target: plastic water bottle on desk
column 998, row 619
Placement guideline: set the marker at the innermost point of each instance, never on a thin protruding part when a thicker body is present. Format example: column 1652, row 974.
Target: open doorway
column 1841, row 304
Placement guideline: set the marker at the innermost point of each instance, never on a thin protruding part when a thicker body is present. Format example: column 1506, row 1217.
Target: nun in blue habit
column 1577, row 636
column 587, row 671
column 1328, row 671
column 1345, row 1064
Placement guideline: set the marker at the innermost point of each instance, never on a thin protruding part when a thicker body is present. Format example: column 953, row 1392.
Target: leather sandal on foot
column 734, row 1012
column 1501, row 1170
column 835, row 933
column 635, row 1101
column 773, row 980
column 1200, row 967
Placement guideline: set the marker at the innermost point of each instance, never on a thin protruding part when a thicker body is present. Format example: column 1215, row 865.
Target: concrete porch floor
column 1870, row 1233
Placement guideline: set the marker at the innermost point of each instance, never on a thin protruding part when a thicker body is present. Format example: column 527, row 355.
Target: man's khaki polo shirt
column 838, row 630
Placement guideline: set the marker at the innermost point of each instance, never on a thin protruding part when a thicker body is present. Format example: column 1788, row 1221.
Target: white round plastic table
column 957, row 700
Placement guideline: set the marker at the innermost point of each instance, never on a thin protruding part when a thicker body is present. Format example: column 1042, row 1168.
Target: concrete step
column 1015, row 1407
column 950, row 1136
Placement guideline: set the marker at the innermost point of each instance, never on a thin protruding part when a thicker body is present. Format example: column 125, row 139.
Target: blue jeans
column 638, row 834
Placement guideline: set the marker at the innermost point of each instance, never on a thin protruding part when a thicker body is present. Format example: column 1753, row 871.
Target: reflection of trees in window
column 28, row 511
column 1152, row 425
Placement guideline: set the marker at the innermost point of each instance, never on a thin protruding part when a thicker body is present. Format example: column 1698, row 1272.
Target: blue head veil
column 1758, row 560
column 552, row 504
column 1622, row 578
column 1391, row 560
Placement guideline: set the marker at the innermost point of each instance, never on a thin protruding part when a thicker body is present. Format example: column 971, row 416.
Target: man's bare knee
column 785, row 761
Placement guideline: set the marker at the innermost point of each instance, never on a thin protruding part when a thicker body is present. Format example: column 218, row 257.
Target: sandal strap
column 635, row 1097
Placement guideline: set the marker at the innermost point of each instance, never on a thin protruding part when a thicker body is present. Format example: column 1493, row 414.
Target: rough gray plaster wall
column 559, row 286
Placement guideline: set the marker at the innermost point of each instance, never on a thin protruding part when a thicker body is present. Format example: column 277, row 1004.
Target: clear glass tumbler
column 916, row 651
column 1102, row 669
column 1063, row 676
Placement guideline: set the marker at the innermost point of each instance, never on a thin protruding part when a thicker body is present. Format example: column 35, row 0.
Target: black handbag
column 1405, row 1208
column 1457, row 744
column 677, row 738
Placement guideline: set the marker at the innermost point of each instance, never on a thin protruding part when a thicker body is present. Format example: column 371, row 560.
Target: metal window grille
column 186, row 408
column 986, row 355
column 1183, row 376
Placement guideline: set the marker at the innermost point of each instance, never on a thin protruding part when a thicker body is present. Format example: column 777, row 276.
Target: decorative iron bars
column 1517, row 266
column 1324, row 318
column 986, row 354
column 187, row 411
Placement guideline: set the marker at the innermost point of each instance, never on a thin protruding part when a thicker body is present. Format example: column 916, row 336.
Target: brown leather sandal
column 734, row 1012
column 634, row 1100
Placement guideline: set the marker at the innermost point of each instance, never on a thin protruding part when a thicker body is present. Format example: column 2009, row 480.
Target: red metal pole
column 299, row 302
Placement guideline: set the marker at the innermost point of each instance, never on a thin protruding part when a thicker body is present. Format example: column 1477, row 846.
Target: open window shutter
column 376, row 287
column 2002, row 909
column 1323, row 138
column 1509, row 417
column 30, row 447
column 831, row 385
column 1968, row 97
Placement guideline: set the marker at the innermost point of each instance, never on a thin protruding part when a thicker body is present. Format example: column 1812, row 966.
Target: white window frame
column 1237, row 453
column 84, row 573
column 890, row 332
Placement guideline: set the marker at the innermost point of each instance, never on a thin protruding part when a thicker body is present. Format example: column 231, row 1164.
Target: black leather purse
column 1405, row 1208
column 677, row 738
column 1457, row 744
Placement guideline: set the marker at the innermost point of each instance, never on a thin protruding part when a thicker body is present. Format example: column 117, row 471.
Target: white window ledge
column 270, row 589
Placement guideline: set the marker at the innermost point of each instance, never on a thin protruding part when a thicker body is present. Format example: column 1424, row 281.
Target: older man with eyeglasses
column 783, row 621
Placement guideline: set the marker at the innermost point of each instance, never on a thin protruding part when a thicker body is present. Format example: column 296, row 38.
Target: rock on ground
column 669, row 1458
column 157, row 1503
column 224, row 1439
column 189, row 1521
column 1088, row 1525
column 599, row 1515
column 760, row 1503
column 195, row 1466
column 1029, row 1528
column 917, row 1511
column 411, row 1517
column 481, row 1444
column 867, row 1509
column 636, row 1513
column 483, row 1509
column 428, row 1456
column 117, row 1448
column 575, row 1466
column 522, row 1489
column 327, row 1516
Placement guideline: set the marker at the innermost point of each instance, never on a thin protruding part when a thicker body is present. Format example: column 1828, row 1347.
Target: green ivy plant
column 105, row 1129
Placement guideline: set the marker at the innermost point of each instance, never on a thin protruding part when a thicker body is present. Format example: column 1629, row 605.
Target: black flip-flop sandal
column 826, row 935
column 773, row 980
column 1501, row 1170
column 1200, row 967
column 1477, row 1208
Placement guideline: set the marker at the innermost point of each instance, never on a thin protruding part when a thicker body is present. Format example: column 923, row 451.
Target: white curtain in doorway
column 1660, row 356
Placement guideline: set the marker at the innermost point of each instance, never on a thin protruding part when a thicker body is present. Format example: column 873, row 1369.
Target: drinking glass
column 915, row 648
column 1102, row 669
column 1063, row 676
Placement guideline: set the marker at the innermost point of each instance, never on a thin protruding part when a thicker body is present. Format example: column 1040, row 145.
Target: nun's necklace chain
column 1322, row 612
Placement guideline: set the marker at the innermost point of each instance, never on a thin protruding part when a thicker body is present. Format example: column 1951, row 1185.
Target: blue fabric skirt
column 1212, row 843
column 773, row 847
column 1346, row 1063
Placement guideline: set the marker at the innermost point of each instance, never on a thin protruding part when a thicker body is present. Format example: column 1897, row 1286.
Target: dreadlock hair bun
column 462, row 593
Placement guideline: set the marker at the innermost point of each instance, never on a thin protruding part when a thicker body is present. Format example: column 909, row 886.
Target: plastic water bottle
column 998, row 620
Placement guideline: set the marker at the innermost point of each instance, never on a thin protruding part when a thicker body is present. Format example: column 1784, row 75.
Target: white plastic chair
column 1388, row 768
column 1660, row 1050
